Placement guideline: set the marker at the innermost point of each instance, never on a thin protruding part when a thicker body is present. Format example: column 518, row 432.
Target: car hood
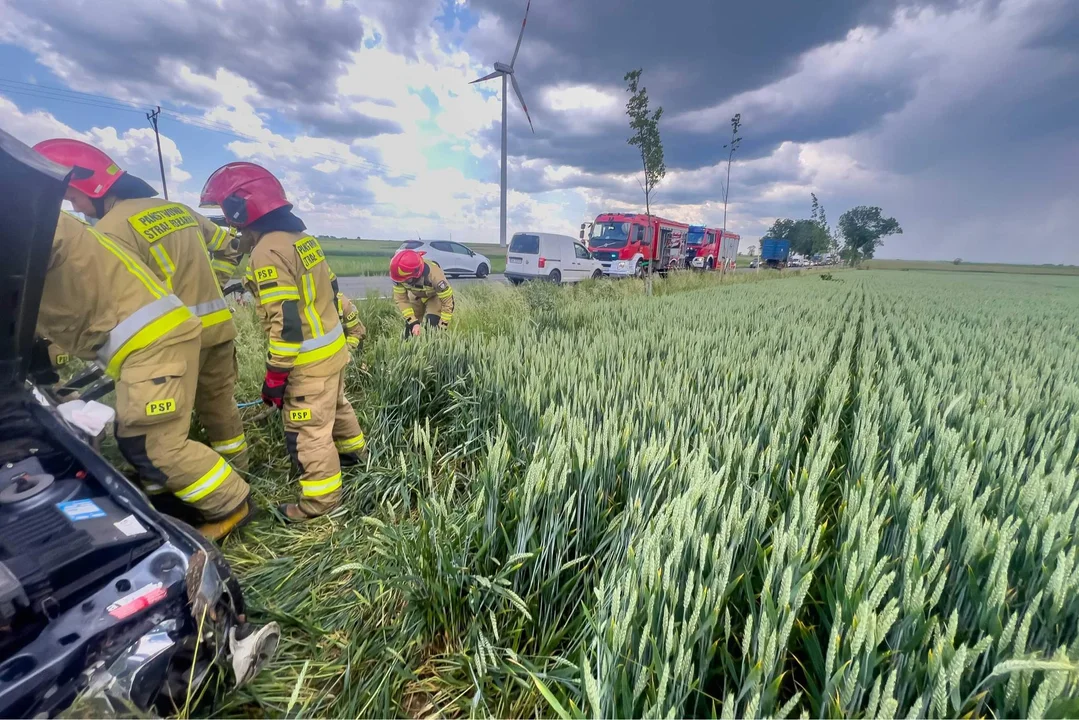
column 29, row 207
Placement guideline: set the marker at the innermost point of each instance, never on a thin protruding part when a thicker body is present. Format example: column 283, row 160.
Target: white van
column 546, row 256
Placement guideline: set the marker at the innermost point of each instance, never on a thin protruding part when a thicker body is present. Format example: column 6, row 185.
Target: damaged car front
column 103, row 600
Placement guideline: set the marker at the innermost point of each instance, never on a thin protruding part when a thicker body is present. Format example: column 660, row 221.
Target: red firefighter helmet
column 95, row 172
column 244, row 191
column 406, row 265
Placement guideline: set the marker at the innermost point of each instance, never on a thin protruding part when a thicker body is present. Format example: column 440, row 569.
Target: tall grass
column 586, row 502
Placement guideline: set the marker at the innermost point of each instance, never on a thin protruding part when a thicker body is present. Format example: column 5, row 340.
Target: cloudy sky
column 958, row 117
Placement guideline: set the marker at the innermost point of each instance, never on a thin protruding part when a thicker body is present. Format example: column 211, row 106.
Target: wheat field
column 751, row 498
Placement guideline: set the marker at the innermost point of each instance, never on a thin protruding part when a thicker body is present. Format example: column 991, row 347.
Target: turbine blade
column 486, row 77
column 523, row 22
column 517, row 89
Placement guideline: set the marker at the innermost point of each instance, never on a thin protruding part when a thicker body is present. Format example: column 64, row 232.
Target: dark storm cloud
column 696, row 54
column 292, row 52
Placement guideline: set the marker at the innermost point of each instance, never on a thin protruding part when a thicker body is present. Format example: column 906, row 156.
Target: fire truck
column 625, row 245
column 711, row 248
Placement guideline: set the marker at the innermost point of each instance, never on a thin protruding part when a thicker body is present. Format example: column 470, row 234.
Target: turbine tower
column 506, row 71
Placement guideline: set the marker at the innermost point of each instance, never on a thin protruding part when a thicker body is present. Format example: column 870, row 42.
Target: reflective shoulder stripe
column 131, row 264
column 140, row 329
column 399, row 290
column 313, row 319
column 448, row 292
column 219, row 240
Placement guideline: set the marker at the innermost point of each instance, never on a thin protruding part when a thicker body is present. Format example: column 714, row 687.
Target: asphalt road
column 359, row 287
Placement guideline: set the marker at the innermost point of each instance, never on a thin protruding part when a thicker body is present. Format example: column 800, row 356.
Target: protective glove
column 412, row 327
column 273, row 387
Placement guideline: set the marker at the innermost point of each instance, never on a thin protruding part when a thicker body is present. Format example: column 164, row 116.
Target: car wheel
column 482, row 271
column 597, row 274
column 711, row 264
column 516, row 281
column 555, row 277
column 639, row 274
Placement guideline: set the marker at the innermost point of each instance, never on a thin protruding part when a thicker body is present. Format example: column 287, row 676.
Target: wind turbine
column 506, row 71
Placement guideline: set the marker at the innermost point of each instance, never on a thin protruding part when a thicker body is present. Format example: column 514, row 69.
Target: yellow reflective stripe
column 230, row 446
column 248, row 274
column 309, row 306
column 131, row 264
column 163, row 325
column 316, row 488
column 446, row 316
column 207, row 483
column 310, row 356
column 217, row 242
column 278, row 347
column 408, row 312
column 448, row 292
column 168, row 268
column 398, row 290
column 352, row 341
column 279, row 294
column 351, row 444
column 216, row 318
column 223, row 266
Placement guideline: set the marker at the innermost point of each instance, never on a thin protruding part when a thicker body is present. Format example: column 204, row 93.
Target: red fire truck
column 711, row 248
column 625, row 245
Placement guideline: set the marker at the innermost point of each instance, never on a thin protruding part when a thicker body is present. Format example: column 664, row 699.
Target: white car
column 454, row 258
column 546, row 256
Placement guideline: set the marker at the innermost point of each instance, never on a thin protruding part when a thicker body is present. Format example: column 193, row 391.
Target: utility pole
column 152, row 117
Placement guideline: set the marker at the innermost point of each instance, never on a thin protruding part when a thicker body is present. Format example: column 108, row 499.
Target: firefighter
column 296, row 298
column 174, row 241
column 101, row 303
column 420, row 291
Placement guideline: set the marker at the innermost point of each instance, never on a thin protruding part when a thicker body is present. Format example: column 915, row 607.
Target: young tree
column 732, row 146
column 818, row 216
column 864, row 229
column 645, row 137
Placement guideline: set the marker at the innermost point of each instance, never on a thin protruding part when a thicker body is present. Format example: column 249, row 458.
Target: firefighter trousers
column 320, row 425
column 215, row 403
column 428, row 311
column 155, row 395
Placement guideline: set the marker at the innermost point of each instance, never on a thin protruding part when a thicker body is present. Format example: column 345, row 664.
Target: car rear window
column 412, row 244
column 525, row 244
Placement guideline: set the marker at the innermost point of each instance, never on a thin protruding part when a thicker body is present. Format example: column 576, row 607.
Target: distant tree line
column 861, row 231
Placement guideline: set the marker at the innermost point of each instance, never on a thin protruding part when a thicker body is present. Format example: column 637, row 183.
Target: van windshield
column 525, row 244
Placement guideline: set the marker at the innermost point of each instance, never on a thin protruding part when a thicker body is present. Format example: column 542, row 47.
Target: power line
column 65, row 95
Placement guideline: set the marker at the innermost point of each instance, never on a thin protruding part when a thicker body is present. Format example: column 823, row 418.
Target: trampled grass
column 755, row 498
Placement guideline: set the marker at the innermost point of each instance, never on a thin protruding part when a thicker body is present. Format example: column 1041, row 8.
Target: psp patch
column 442, row 286
column 160, row 407
column 265, row 273
column 162, row 221
column 302, row 415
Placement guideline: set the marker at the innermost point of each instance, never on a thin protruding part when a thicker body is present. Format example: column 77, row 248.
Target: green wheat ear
column 778, row 497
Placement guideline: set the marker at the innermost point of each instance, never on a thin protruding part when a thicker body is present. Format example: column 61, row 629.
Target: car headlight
column 621, row 264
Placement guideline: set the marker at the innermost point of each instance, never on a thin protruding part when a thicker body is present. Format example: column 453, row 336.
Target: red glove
column 273, row 387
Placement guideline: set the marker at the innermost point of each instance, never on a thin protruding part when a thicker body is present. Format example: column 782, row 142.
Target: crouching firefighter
column 175, row 242
column 296, row 298
column 421, row 292
column 101, row 303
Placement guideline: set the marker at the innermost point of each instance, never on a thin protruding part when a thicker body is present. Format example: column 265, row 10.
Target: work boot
column 218, row 529
column 294, row 514
column 353, row 459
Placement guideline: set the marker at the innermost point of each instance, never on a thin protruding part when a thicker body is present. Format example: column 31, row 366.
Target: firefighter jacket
column 171, row 239
column 101, row 303
column 428, row 287
column 296, row 300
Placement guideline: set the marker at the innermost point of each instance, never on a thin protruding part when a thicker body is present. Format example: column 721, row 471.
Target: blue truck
column 775, row 252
